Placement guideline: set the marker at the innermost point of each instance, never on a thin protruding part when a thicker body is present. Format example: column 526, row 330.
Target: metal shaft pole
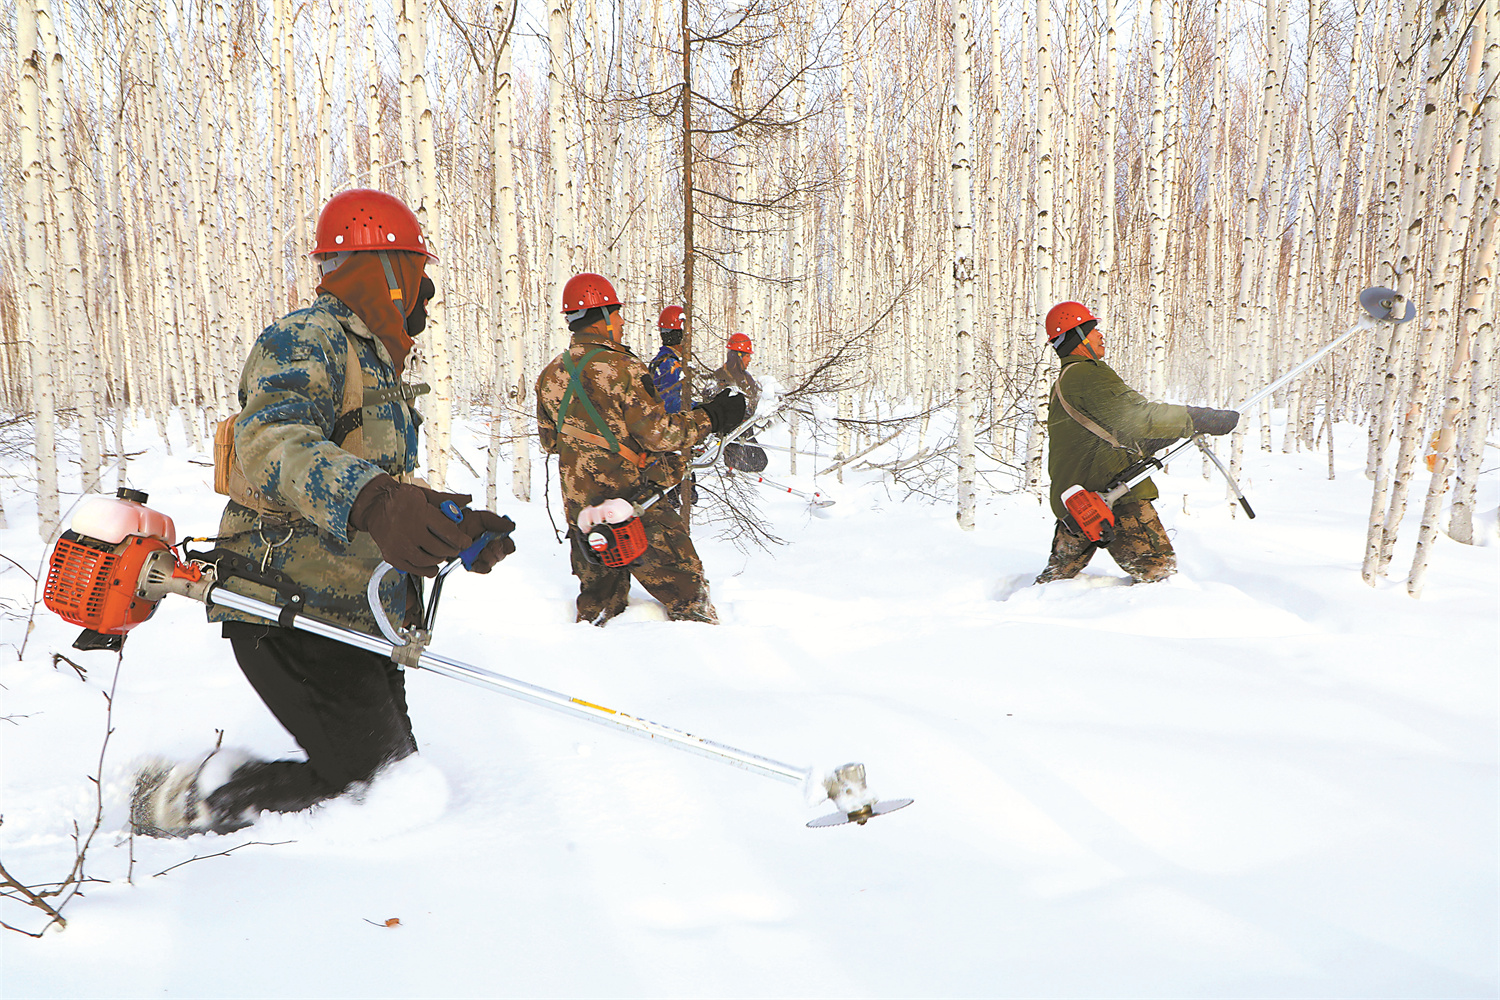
column 458, row 670
column 1356, row 328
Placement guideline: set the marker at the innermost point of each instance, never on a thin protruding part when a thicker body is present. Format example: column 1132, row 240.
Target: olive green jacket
column 1077, row 455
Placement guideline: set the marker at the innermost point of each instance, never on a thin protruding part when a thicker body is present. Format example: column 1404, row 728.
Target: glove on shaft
column 726, row 411
column 406, row 525
column 1209, row 421
column 476, row 523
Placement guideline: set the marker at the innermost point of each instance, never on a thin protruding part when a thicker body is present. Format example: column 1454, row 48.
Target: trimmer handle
column 455, row 513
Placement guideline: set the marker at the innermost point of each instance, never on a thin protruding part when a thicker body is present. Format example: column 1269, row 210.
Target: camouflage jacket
column 725, row 377
column 620, row 390
column 1077, row 455
column 290, row 392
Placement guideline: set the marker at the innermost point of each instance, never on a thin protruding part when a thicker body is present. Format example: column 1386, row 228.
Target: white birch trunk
column 76, row 331
column 963, row 241
column 38, row 325
column 1420, row 179
column 1156, row 197
column 1042, row 241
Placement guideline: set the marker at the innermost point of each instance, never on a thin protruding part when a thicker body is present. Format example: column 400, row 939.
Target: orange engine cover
column 94, row 586
column 620, row 544
column 1091, row 513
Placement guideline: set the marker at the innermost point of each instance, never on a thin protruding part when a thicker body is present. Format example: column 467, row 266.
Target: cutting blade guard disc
column 1380, row 303
column 861, row 816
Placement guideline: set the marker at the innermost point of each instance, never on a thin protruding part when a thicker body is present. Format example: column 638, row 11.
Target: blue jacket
column 666, row 375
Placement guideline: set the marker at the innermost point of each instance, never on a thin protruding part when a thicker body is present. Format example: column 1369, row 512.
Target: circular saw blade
column 1380, row 303
column 863, row 816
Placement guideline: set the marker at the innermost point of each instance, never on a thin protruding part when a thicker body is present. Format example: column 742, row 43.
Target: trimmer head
column 857, row 804
column 1380, row 303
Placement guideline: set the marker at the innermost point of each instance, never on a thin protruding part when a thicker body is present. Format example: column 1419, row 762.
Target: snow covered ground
column 1260, row 778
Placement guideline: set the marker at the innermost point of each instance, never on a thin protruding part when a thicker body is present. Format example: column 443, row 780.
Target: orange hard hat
column 670, row 318
column 740, row 342
column 588, row 291
column 1067, row 316
column 366, row 219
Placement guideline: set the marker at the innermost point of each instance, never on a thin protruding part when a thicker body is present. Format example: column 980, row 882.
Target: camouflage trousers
column 670, row 570
column 1141, row 547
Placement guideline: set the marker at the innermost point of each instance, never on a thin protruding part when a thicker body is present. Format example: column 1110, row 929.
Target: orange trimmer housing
column 95, row 570
column 1092, row 514
column 93, row 584
column 617, row 545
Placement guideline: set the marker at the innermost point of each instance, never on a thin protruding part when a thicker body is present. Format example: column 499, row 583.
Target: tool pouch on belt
column 229, row 476
column 613, row 545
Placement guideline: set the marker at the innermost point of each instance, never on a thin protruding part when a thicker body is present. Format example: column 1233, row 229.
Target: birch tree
column 963, row 239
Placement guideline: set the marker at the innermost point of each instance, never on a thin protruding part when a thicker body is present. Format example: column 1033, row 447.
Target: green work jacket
column 1079, row 456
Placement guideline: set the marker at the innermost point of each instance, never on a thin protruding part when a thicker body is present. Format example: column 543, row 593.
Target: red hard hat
column 670, row 318
column 1064, row 317
column 588, row 291
column 740, row 342
column 365, row 219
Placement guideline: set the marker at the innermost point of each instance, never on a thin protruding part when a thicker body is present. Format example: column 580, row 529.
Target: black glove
column 411, row 533
column 726, row 411
column 1207, row 421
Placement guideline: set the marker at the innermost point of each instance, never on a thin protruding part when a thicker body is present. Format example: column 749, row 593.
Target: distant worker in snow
column 735, row 372
column 1096, row 427
column 598, row 411
column 745, row 453
column 320, row 480
column 667, row 368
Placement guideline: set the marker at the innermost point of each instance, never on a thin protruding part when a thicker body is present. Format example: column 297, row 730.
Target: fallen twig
column 205, row 857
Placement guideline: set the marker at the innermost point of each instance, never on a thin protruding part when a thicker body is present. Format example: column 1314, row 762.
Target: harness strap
column 1082, row 418
column 636, row 458
column 576, row 390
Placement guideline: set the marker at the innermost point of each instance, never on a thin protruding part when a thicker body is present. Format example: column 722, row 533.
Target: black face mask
column 671, row 338
column 417, row 321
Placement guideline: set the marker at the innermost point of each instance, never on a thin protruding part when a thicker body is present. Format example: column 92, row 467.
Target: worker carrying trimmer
column 1098, row 427
column 599, row 413
column 318, row 466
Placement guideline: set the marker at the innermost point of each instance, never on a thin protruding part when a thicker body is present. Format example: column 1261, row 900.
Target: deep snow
column 1260, row 778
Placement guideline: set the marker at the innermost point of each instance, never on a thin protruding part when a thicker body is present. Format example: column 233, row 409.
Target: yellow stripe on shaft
column 580, row 701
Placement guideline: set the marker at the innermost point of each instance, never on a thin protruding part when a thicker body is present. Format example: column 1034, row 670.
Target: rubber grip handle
column 455, row 513
column 1246, row 504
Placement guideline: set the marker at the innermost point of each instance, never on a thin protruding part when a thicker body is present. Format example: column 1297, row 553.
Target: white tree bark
column 1042, row 240
column 963, row 239
column 38, row 325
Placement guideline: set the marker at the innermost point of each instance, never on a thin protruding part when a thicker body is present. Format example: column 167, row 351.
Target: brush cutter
column 116, row 563
column 1093, row 513
column 715, row 451
column 814, row 498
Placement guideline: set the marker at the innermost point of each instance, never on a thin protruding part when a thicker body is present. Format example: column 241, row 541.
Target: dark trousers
column 345, row 707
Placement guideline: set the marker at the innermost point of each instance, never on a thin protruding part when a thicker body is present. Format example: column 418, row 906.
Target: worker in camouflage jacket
column 744, row 453
column 320, row 480
column 1097, row 426
column 599, row 413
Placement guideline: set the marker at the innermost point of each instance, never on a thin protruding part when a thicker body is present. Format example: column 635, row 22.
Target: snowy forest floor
column 1259, row 778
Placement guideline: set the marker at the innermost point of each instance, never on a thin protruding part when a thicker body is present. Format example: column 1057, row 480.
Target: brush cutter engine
column 611, row 533
column 98, row 567
column 1091, row 514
